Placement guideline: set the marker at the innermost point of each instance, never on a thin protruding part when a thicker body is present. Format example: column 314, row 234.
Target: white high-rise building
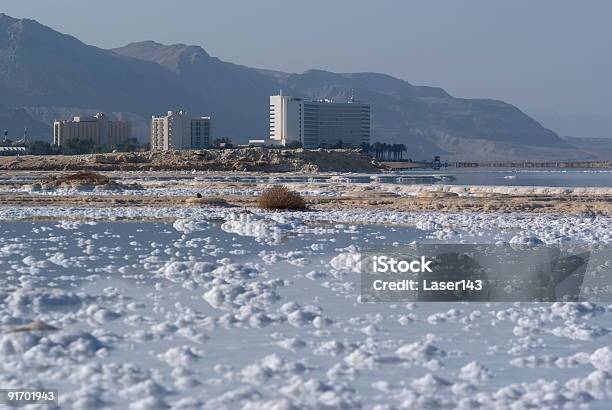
column 99, row 128
column 317, row 124
column 177, row 131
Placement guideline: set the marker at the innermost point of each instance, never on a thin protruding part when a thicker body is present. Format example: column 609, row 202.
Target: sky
column 551, row 58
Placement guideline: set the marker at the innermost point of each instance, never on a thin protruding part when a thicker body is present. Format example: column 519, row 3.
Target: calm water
column 451, row 176
column 525, row 177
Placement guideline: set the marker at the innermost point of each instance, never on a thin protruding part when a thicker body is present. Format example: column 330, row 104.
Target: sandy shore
column 601, row 205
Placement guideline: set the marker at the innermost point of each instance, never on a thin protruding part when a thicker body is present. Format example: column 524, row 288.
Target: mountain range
column 46, row 75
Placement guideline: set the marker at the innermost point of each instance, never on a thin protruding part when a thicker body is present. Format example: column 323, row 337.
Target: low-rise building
column 177, row 131
column 98, row 128
column 257, row 143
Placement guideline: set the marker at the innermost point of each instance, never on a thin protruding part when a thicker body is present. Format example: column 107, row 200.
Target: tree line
column 383, row 151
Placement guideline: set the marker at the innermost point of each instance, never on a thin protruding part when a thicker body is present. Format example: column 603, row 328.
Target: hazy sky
column 552, row 58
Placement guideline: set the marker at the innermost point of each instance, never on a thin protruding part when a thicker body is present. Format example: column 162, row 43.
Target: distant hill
column 16, row 120
column 52, row 75
column 600, row 148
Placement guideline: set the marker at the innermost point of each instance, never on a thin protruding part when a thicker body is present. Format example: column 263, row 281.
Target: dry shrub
column 280, row 197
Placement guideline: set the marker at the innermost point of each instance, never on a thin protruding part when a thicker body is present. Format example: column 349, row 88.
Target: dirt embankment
column 238, row 159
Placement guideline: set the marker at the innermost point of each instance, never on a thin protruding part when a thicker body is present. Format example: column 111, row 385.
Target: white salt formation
column 210, row 308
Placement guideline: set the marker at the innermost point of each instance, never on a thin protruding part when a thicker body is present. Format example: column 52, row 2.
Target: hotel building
column 177, row 131
column 99, row 129
column 322, row 123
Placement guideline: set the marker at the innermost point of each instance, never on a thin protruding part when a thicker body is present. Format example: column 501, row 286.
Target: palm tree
column 403, row 148
column 389, row 149
column 396, row 151
column 378, row 149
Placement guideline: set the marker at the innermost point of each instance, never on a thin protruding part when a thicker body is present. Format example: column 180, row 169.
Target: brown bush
column 280, row 197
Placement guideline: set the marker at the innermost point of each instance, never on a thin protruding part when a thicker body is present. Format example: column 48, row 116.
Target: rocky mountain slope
column 599, row 147
column 16, row 120
column 51, row 75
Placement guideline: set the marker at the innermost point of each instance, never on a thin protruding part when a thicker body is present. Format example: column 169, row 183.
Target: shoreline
column 321, row 191
column 260, row 160
column 571, row 205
